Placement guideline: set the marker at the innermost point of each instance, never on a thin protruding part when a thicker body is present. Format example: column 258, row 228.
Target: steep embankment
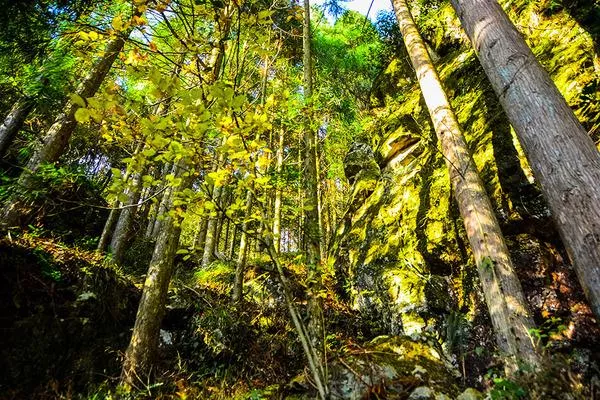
column 64, row 318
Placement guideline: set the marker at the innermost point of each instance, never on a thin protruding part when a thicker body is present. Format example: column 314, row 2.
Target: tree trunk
column 211, row 231
column 58, row 135
column 278, row 192
column 562, row 156
column 163, row 206
column 108, row 228
column 240, row 267
column 201, row 239
column 120, row 236
column 140, row 353
column 13, row 123
column 312, row 223
column 503, row 293
column 231, row 251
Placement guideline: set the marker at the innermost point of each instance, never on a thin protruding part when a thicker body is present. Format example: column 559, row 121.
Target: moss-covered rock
column 391, row 367
column 404, row 250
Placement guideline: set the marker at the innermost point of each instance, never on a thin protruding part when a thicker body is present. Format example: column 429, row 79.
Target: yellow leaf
column 77, row 99
column 117, row 23
column 82, row 115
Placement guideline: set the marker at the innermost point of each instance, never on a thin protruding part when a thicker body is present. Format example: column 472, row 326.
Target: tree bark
column 503, row 293
column 240, row 267
column 210, row 239
column 562, row 155
column 278, row 192
column 58, row 135
column 14, row 122
column 113, row 216
column 120, row 237
column 140, row 353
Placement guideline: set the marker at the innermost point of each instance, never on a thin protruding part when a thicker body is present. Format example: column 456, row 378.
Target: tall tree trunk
column 58, row 135
column 156, row 221
column 278, row 192
column 232, row 243
column 13, row 122
column 211, row 231
column 503, row 293
column 201, row 238
column 140, row 353
column 115, row 212
column 311, row 229
column 562, row 156
column 312, row 222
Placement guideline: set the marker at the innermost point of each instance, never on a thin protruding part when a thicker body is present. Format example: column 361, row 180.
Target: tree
column 57, row 137
column 503, row 293
column 562, row 155
column 312, row 220
column 141, row 351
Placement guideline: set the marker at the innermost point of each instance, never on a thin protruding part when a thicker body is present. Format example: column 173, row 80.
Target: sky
column 362, row 6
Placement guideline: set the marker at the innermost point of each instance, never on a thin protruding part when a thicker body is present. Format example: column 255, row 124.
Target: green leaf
column 149, row 152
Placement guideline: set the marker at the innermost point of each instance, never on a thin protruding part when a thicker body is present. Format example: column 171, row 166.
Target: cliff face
column 402, row 246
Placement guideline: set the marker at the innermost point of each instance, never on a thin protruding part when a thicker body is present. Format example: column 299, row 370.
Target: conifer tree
column 562, row 155
column 504, row 296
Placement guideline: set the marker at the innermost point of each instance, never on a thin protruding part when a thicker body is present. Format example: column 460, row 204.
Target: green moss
column 410, row 220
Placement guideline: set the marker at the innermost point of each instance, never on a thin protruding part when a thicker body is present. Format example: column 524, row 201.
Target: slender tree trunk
column 312, row 223
column 503, row 293
column 155, row 221
column 240, row 267
column 231, row 251
column 561, row 153
column 14, row 122
column 226, row 238
column 163, row 206
column 58, row 135
column 278, row 192
column 120, row 237
column 211, row 231
column 201, row 239
column 311, row 228
column 113, row 216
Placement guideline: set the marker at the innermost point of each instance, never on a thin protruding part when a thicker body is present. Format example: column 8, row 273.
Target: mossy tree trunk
column 140, row 353
column 506, row 303
column 562, row 156
column 312, row 217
